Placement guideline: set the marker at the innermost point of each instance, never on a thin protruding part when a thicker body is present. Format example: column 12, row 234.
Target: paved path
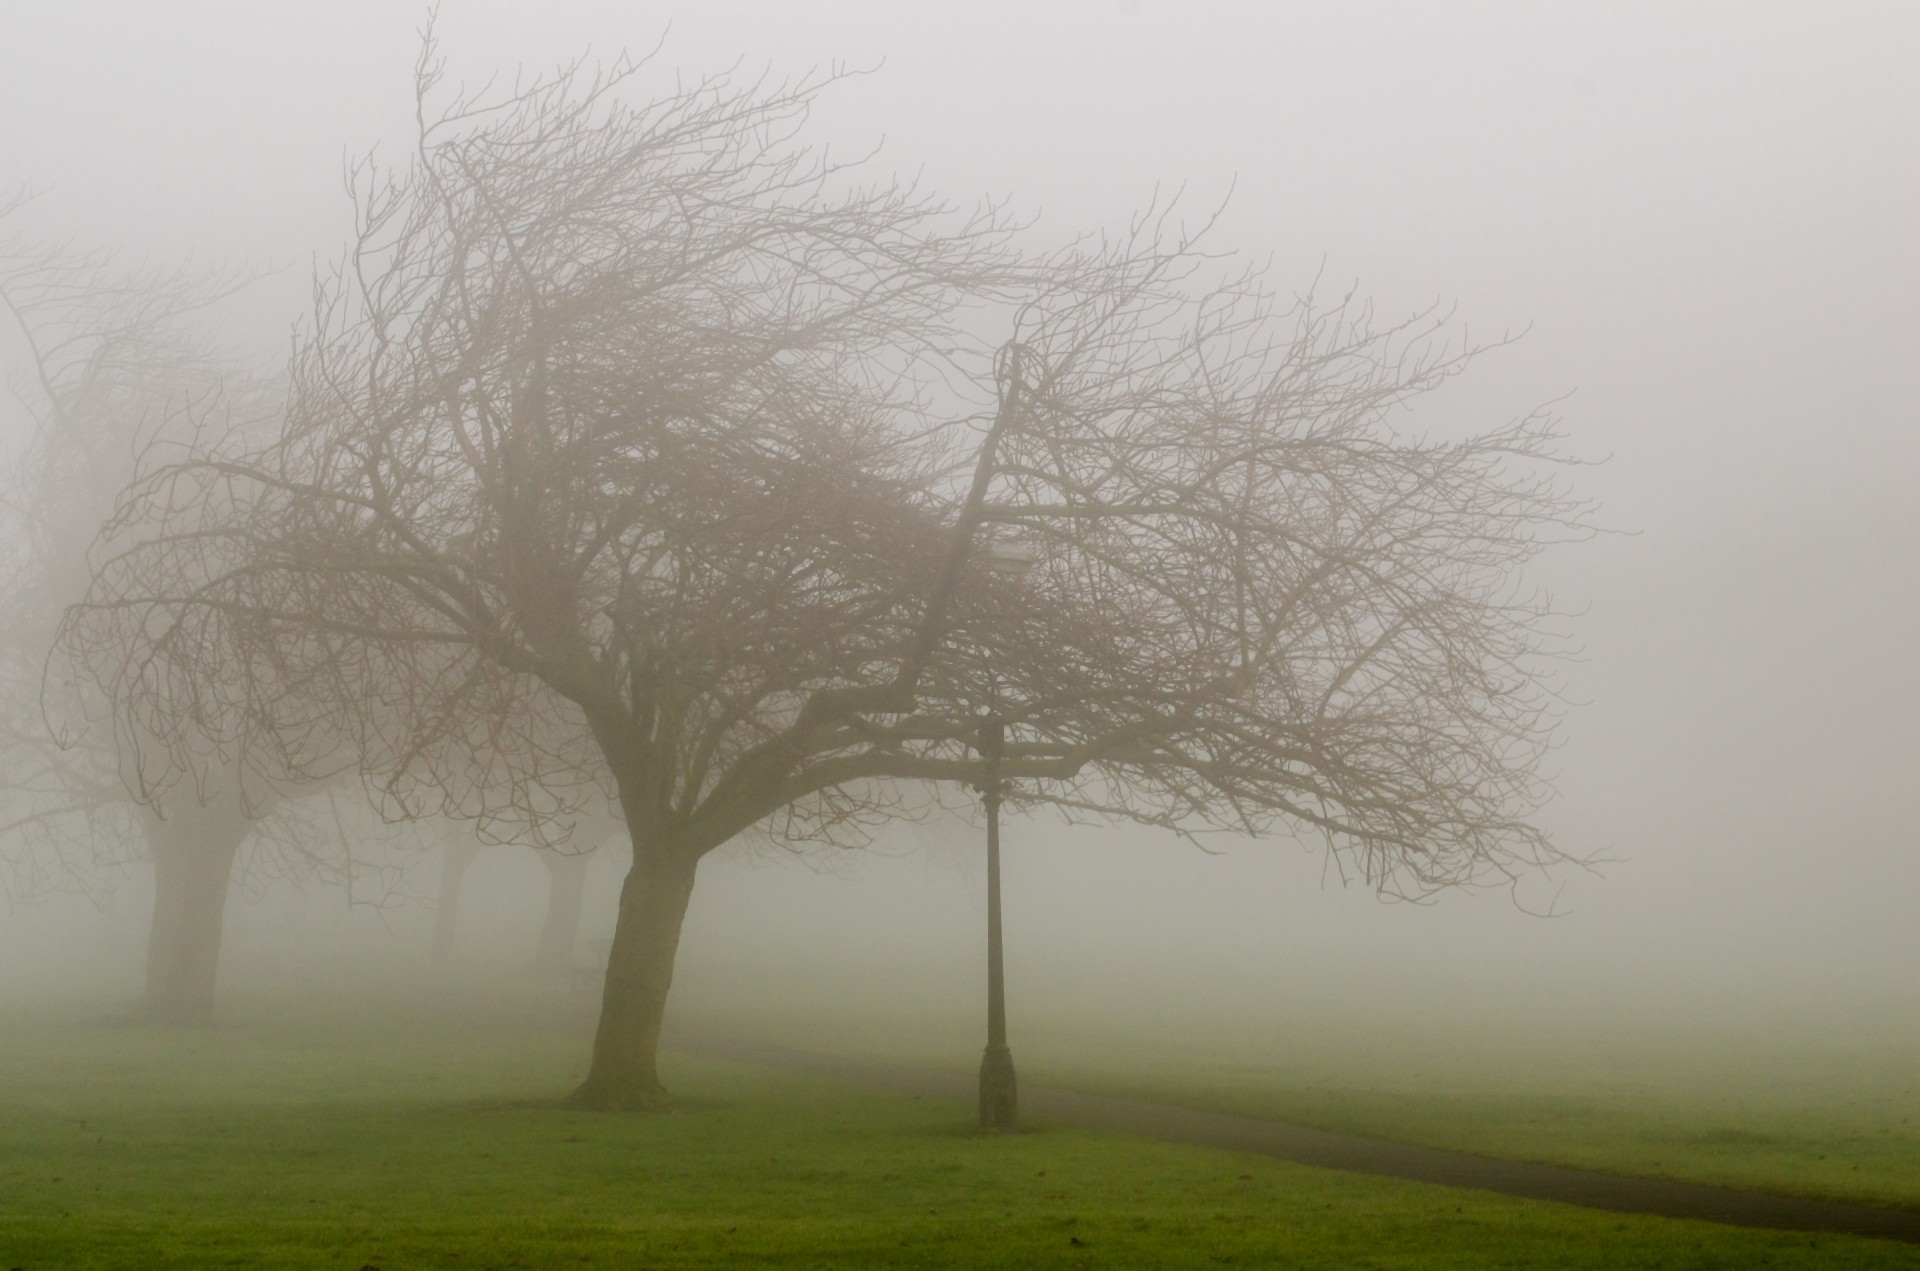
column 1327, row 1150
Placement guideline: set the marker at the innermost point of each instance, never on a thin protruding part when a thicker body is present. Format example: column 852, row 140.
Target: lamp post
column 999, row 1096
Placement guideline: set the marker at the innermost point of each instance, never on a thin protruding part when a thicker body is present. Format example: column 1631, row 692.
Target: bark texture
column 646, row 936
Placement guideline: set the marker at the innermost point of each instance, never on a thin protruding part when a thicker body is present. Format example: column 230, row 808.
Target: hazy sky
column 1706, row 214
column 1705, row 211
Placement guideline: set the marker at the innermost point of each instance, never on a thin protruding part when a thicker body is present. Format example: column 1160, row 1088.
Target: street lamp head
column 1011, row 556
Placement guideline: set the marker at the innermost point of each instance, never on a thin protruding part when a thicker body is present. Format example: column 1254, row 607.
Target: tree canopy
column 635, row 443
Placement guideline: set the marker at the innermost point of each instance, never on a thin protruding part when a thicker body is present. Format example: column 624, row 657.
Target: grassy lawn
column 305, row 1134
column 1837, row 1117
column 1855, row 1136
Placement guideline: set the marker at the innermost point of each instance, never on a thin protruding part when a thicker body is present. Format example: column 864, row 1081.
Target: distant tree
column 639, row 443
column 114, row 363
column 566, row 868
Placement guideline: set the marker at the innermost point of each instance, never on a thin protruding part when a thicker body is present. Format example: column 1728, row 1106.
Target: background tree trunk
column 646, row 936
column 192, row 866
column 461, row 848
column 566, row 889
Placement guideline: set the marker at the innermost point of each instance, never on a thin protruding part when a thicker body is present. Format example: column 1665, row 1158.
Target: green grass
column 308, row 1134
column 1855, row 1138
column 1835, row 1117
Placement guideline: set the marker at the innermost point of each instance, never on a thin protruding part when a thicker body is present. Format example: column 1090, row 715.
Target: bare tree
column 640, row 444
column 565, row 861
column 115, row 364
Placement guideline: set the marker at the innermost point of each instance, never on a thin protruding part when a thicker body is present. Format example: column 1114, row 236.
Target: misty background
column 1704, row 219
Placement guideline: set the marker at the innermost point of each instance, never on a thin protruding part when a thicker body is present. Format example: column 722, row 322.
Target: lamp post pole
column 999, row 1098
column 999, row 1101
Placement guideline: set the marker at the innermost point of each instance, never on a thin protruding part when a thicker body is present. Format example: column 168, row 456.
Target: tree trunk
column 461, row 849
column 646, row 936
column 566, row 888
column 193, row 857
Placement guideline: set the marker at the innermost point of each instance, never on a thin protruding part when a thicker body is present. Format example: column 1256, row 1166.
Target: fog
column 1701, row 217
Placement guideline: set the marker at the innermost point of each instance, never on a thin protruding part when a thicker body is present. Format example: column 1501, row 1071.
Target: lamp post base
column 999, row 1099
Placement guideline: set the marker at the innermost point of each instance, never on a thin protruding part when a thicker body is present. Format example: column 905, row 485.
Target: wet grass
column 1836, row 1117
column 1814, row 1142
column 308, row 1134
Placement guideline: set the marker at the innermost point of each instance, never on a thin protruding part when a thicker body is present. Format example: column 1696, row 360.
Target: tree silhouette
column 636, row 443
